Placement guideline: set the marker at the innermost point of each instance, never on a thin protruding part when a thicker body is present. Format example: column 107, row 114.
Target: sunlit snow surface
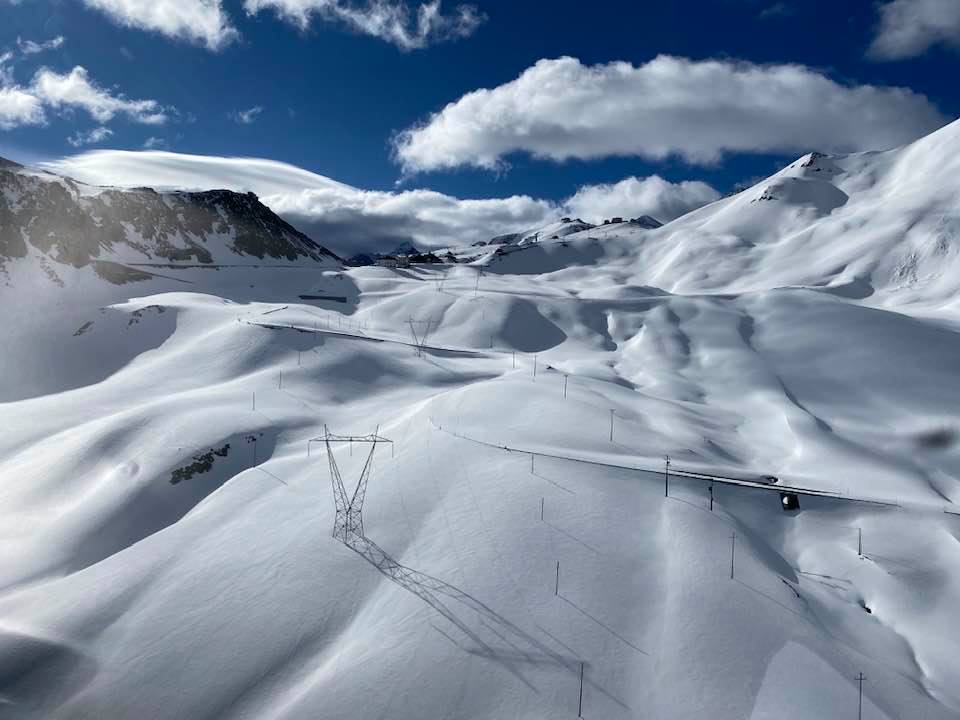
column 805, row 328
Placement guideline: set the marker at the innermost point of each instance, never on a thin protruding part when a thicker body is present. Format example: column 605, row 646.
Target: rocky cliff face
column 74, row 224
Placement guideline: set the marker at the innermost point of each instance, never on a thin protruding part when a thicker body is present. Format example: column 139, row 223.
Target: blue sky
column 337, row 82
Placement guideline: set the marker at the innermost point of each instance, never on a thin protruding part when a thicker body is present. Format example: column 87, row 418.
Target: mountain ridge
column 66, row 222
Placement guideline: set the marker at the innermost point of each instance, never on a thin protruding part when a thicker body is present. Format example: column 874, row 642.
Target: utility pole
column 733, row 548
column 580, row 706
column 666, row 479
column 860, row 701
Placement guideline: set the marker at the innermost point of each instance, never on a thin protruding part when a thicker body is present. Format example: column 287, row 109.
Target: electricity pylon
column 419, row 342
column 348, row 519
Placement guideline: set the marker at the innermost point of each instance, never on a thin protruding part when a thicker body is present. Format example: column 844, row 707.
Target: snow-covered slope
column 884, row 224
column 167, row 524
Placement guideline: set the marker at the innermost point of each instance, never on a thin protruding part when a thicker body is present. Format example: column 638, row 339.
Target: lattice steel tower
column 348, row 519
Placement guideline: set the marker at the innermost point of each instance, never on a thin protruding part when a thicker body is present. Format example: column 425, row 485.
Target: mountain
column 61, row 222
column 647, row 222
column 533, row 543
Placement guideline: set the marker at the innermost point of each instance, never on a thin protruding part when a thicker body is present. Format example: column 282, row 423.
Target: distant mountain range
column 64, row 222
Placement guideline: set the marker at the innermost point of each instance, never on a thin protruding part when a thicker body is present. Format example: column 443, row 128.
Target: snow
column 812, row 336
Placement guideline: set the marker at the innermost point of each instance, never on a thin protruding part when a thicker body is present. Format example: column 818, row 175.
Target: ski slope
column 167, row 548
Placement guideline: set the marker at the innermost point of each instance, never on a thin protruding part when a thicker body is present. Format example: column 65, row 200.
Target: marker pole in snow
column 860, row 542
column 711, row 497
column 611, row 426
column 541, row 509
column 514, row 353
column 531, row 463
column 534, row 366
column 299, row 357
column 580, row 706
column 254, row 401
column 556, row 588
column 666, row 480
column 860, row 700
column 565, row 378
column 733, row 549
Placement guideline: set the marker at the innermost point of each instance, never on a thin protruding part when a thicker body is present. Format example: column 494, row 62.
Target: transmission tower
column 420, row 341
column 348, row 519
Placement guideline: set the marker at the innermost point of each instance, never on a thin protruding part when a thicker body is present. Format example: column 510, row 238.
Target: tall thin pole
column 556, row 588
column 541, row 509
column 254, row 400
column 666, row 478
column 565, row 378
column 860, row 700
column 580, row 706
column 531, row 463
column 711, row 497
column 514, row 353
column 611, row 426
column 733, row 548
column 280, row 383
column 534, row 365
column 860, row 542
column 254, row 451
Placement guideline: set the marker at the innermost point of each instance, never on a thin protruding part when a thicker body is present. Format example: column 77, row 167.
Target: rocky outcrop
column 75, row 224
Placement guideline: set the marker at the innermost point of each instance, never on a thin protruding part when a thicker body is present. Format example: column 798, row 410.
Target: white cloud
column 29, row 47
column 90, row 137
column 671, row 106
column 632, row 197
column 350, row 220
column 390, row 20
column 247, row 117
column 76, row 90
column 911, row 27
column 345, row 218
column 203, row 22
column 19, row 107
column 154, row 143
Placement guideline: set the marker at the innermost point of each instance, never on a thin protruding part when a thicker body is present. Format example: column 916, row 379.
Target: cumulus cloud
column 911, row 27
column 633, row 196
column 350, row 220
column 671, row 106
column 203, row 22
column 246, row 117
column 76, row 90
column 91, row 137
column 390, row 20
column 19, row 107
column 26, row 105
